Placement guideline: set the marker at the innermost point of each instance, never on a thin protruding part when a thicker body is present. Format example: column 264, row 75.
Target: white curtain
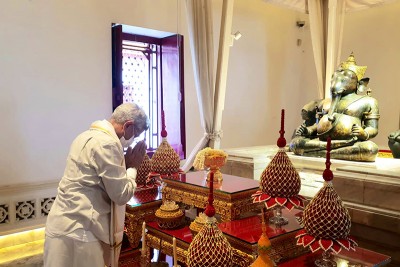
column 326, row 26
column 351, row 5
column 225, row 40
column 211, row 96
column 355, row 5
column 334, row 39
column 202, row 48
column 317, row 26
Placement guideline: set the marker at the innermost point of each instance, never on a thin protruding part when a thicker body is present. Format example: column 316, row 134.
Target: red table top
column 143, row 196
column 230, row 184
column 361, row 256
column 249, row 229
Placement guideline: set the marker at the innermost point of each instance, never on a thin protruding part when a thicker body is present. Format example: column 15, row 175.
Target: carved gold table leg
column 133, row 224
column 242, row 259
column 167, row 248
column 135, row 216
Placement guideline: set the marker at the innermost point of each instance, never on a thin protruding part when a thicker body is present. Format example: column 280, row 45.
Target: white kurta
column 94, row 176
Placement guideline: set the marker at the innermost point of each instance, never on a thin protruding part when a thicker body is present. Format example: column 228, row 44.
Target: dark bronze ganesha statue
column 349, row 118
column 394, row 143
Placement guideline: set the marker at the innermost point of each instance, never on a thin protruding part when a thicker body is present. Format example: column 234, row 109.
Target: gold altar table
column 161, row 239
column 284, row 251
column 140, row 208
column 232, row 197
column 242, row 234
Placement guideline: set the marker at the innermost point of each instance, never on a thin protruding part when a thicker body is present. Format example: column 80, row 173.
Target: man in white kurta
column 95, row 179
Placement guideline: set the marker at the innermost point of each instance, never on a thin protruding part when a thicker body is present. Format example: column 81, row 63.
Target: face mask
column 126, row 143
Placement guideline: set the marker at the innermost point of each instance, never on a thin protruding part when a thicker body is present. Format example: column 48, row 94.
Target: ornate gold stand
column 144, row 261
column 214, row 164
column 135, row 216
column 240, row 258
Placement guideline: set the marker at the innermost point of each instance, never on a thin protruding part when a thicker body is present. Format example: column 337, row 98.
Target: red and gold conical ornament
column 209, row 247
column 326, row 221
column 165, row 161
column 143, row 195
column 143, row 172
column 280, row 182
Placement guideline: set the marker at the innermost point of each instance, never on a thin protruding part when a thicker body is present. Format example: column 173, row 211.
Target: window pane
column 135, row 78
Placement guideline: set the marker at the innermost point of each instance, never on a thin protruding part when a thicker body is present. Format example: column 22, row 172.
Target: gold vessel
column 197, row 224
column 214, row 163
column 169, row 215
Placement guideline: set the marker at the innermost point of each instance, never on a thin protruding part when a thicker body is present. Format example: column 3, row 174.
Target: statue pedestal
column 375, row 184
column 370, row 190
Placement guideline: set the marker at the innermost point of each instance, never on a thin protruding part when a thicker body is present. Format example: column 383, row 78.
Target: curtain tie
column 214, row 136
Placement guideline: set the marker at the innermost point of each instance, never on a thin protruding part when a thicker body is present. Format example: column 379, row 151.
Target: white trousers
column 68, row 252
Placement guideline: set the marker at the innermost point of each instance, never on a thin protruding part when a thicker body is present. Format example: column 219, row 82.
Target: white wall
column 267, row 72
column 55, row 73
column 55, row 76
column 374, row 37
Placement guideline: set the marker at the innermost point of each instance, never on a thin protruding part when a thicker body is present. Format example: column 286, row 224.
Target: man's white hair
column 131, row 111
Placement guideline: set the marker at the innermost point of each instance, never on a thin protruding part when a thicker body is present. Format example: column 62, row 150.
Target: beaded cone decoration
column 209, row 247
column 326, row 221
column 280, row 182
column 264, row 246
column 145, row 194
column 165, row 161
column 143, row 172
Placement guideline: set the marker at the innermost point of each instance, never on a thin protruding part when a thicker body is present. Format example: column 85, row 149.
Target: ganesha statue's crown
column 350, row 64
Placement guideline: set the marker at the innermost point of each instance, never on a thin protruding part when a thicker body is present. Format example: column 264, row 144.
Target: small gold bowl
column 169, row 215
column 197, row 224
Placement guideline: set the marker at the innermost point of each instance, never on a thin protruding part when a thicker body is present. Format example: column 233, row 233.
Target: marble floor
column 30, row 254
column 22, row 249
